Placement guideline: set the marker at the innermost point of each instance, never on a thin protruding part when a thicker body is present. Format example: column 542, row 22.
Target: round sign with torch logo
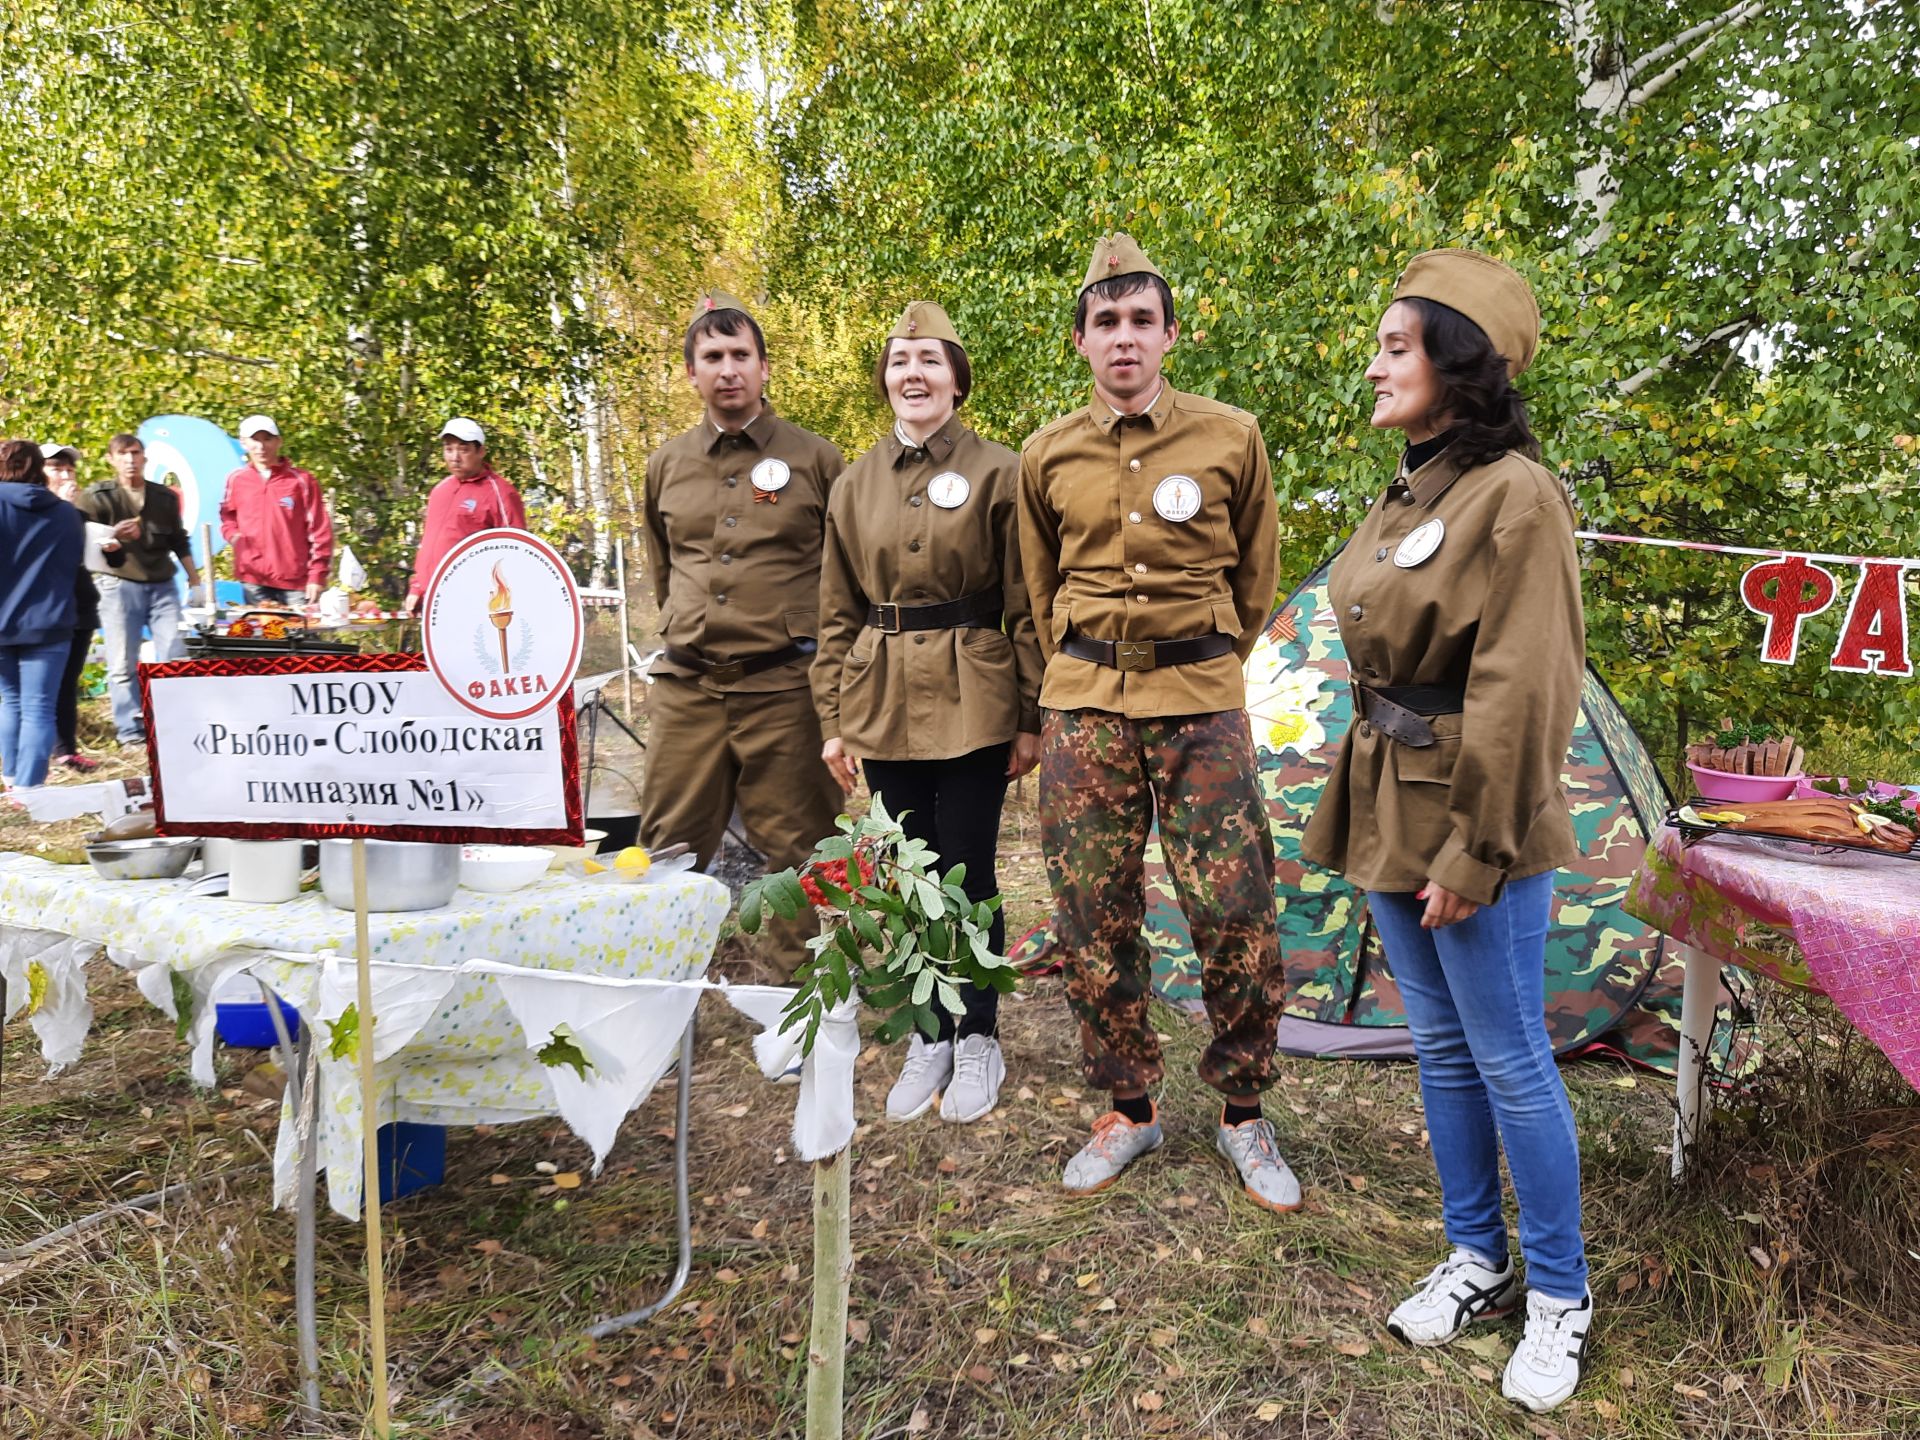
column 501, row 624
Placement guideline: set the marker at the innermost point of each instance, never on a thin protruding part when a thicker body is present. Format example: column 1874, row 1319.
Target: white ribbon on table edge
column 628, row 1035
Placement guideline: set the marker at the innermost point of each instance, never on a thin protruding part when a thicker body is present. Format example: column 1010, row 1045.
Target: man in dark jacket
column 148, row 531
column 40, row 539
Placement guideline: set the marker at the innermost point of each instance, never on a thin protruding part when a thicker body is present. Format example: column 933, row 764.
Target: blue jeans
column 126, row 608
column 29, row 687
column 272, row 595
column 1475, row 996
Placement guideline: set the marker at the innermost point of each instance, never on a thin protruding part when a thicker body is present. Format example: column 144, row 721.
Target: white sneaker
column 1459, row 1291
column 1253, row 1152
column 1117, row 1142
column 1552, row 1355
column 978, row 1069
column 929, row 1066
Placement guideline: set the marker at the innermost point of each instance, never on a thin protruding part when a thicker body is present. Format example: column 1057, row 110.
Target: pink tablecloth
column 1857, row 922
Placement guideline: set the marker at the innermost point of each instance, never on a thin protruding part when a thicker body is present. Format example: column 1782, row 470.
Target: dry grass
column 1776, row 1293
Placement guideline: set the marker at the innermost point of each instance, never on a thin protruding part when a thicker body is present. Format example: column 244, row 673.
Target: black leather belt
column 729, row 672
column 981, row 608
column 1146, row 654
column 1401, row 712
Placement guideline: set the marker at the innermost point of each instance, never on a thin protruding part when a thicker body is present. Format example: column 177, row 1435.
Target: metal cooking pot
column 401, row 874
column 149, row 859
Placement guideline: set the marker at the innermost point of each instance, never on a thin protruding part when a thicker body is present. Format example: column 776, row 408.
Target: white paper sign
column 383, row 749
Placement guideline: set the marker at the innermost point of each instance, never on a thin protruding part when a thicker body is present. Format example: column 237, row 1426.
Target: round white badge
column 1419, row 546
column 949, row 489
column 1177, row 498
column 771, row 475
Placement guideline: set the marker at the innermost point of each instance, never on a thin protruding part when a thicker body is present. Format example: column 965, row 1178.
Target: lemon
column 634, row 859
column 595, row 868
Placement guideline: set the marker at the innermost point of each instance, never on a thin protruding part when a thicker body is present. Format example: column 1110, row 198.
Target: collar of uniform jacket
column 938, row 447
column 753, row 433
column 1106, row 417
column 1431, row 480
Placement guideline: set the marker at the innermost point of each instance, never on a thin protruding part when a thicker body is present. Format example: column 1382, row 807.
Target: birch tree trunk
column 832, row 1279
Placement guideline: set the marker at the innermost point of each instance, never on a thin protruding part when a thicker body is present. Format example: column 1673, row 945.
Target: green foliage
column 343, row 1035
column 563, row 1049
column 1282, row 162
column 905, row 941
column 182, row 1004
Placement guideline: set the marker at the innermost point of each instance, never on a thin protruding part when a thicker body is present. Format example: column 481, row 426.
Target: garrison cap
column 1487, row 291
column 924, row 320
column 1116, row 255
column 712, row 300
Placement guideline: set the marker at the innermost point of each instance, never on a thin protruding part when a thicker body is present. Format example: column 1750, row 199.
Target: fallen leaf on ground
column 858, row 1330
column 980, row 1375
column 727, row 1276
column 947, row 1165
column 759, row 1231
column 735, row 1112
column 1606, row 1409
column 920, row 1421
column 1257, row 1325
column 1269, row 1410
column 36, row 1173
column 567, row 1180
column 1091, row 1278
column 500, row 1179
column 1355, row 1348
column 1481, row 1373
column 984, row 1336
column 1162, row 1338
column 1021, row 1359
column 1690, row 1392
column 1358, row 1182
column 1430, row 1367
column 488, row 1247
column 1148, row 1400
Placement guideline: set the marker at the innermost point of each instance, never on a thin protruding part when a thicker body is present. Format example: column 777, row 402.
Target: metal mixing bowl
column 401, row 874
column 153, row 859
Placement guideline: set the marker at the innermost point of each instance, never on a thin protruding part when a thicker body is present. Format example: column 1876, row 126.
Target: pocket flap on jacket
column 803, row 624
column 1427, row 764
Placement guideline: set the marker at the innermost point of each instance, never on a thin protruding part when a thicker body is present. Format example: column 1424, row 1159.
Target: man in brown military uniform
column 1148, row 534
column 735, row 509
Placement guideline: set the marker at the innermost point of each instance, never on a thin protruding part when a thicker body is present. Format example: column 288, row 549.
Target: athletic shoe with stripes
column 1459, row 1291
column 1551, row 1356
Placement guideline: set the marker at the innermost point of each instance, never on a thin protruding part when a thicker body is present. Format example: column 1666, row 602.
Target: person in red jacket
column 276, row 522
column 471, row 498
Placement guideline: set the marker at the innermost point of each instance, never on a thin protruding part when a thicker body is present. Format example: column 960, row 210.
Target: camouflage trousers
column 1104, row 779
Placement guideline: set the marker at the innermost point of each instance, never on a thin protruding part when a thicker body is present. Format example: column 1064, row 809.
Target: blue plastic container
column 248, row 1025
column 411, row 1157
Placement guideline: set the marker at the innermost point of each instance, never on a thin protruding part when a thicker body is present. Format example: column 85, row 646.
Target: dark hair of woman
column 20, row 462
column 1489, row 416
column 956, row 361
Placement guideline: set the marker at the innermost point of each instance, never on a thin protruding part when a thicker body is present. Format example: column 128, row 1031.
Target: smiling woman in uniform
column 928, row 670
column 1459, row 605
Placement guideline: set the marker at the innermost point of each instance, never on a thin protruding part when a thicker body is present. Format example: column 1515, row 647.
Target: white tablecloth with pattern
column 466, row 1061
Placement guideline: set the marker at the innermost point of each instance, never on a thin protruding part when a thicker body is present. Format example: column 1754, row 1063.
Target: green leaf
column 785, row 895
column 343, row 1035
column 835, row 848
column 563, row 1049
column 950, row 998
column 182, row 1003
column 922, row 987
column 750, row 900
column 956, row 876
column 868, row 928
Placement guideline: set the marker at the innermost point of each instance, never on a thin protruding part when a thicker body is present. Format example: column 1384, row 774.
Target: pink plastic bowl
column 1724, row 785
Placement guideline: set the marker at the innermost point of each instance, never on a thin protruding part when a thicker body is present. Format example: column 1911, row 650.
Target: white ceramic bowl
column 500, row 869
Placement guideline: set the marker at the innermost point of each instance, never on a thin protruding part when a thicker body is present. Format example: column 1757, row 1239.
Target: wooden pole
column 378, row 1418
column 626, row 665
column 832, row 1278
column 206, row 574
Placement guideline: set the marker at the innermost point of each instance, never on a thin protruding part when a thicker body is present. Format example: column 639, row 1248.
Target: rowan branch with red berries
column 905, row 937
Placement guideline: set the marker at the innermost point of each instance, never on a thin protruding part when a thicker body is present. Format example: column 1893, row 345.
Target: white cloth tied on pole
column 627, row 1028
column 46, row 975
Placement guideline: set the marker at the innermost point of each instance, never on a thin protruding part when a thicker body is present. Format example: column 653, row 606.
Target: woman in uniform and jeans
column 928, row 671
column 1458, row 599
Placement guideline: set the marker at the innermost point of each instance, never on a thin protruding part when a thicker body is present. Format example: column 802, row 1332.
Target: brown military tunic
column 733, row 537
column 1156, row 527
column 902, row 529
column 733, row 534
column 1469, row 581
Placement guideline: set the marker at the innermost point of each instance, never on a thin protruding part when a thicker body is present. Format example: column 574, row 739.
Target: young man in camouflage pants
column 1148, row 527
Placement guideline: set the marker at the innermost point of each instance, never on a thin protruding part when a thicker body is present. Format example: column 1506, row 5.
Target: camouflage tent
column 1611, row 980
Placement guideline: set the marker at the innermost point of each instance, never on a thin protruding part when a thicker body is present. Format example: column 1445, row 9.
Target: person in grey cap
column 472, row 498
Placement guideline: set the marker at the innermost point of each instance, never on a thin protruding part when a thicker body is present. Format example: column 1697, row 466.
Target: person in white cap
column 471, row 498
column 276, row 522
column 63, row 463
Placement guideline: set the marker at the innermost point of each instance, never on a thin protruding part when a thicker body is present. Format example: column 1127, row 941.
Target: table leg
column 306, row 1223
column 682, row 1207
column 1698, row 996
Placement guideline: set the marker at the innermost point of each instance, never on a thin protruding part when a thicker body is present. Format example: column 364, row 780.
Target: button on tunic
column 924, row 694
